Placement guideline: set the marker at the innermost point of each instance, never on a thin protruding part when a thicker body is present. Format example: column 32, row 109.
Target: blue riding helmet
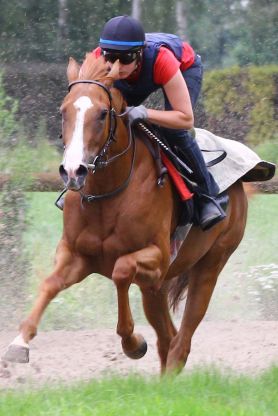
column 122, row 33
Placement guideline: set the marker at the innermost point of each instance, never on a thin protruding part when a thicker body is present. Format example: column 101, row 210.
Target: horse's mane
column 96, row 68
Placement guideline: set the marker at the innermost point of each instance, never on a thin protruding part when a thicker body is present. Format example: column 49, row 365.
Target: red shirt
column 166, row 64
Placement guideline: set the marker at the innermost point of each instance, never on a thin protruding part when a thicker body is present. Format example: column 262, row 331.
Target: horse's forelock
column 94, row 68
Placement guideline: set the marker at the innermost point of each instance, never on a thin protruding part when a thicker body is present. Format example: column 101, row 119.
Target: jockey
column 158, row 60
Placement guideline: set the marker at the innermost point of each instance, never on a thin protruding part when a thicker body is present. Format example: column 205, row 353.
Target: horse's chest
column 119, row 240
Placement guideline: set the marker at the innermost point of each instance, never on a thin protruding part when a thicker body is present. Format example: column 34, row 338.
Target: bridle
column 101, row 160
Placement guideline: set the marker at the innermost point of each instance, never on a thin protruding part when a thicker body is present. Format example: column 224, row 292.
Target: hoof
column 17, row 354
column 139, row 352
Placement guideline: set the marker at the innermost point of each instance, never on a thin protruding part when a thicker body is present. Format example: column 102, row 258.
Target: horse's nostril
column 81, row 171
column 63, row 173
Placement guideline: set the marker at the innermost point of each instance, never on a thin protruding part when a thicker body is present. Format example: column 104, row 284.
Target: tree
column 136, row 9
column 224, row 32
column 181, row 19
column 62, row 30
column 257, row 33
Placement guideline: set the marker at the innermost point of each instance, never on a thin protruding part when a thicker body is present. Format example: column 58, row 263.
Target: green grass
column 202, row 393
column 261, row 238
column 248, row 286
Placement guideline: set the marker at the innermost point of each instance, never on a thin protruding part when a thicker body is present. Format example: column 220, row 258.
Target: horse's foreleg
column 157, row 312
column 144, row 268
column 69, row 269
column 202, row 280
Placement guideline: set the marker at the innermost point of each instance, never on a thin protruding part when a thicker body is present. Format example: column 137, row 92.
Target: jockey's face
column 128, row 61
column 126, row 70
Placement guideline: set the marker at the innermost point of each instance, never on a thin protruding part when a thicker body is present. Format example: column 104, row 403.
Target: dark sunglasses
column 125, row 58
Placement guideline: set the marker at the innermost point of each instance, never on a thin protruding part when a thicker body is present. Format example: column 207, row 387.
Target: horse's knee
column 124, row 271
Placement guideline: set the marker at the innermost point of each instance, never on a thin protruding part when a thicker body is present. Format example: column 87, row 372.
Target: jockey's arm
column 181, row 117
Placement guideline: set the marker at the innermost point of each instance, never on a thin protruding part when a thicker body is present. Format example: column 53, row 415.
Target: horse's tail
column 176, row 290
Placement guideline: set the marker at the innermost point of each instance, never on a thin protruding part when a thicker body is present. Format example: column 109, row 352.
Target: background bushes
column 241, row 103
column 237, row 103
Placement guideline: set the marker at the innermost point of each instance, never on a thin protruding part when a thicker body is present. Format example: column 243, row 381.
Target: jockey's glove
column 137, row 113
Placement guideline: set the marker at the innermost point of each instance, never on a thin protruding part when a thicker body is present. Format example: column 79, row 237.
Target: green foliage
column 162, row 12
column 13, row 265
column 243, row 100
column 8, row 109
column 255, row 33
column 26, row 158
column 261, row 87
column 248, row 285
column 224, row 32
column 201, row 393
column 268, row 151
column 19, row 157
column 225, row 82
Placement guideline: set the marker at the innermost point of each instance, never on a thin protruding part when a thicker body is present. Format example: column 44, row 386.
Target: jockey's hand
column 137, row 113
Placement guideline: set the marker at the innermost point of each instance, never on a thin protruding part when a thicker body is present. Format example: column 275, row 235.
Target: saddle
column 168, row 162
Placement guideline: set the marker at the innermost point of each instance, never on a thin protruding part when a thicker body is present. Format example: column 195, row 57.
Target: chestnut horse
column 118, row 223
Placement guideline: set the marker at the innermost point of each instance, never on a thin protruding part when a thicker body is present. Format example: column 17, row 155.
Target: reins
column 98, row 161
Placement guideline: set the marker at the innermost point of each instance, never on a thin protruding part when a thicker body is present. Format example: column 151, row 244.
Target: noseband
column 101, row 160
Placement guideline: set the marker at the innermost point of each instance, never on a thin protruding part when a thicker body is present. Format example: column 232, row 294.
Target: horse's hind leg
column 69, row 269
column 203, row 276
column 202, row 279
column 157, row 312
column 142, row 267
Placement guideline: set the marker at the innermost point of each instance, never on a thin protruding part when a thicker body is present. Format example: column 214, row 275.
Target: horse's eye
column 103, row 115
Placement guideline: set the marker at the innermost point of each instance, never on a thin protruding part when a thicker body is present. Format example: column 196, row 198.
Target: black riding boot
column 211, row 206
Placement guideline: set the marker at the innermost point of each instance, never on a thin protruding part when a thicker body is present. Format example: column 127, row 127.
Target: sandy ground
column 67, row 356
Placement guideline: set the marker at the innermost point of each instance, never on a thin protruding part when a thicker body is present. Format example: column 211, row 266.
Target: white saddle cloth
column 240, row 162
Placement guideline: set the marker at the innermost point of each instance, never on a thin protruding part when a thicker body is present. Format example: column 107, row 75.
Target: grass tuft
column 204, row 392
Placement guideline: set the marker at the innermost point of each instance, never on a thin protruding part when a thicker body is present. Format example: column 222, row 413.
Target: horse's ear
column 72, row 70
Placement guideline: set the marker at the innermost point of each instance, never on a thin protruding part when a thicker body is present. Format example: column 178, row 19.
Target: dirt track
column 246, row 347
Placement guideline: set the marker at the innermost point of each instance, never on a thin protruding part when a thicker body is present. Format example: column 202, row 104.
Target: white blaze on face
column 74, row 154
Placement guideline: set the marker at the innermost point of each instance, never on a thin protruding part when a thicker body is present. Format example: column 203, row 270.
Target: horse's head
column 87, row 117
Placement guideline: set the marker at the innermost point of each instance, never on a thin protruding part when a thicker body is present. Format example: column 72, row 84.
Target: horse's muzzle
column 74, row 181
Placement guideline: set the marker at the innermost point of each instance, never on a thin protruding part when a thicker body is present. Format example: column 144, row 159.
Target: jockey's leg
column 69, row 269
column 210, row 211
column 142, row 267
